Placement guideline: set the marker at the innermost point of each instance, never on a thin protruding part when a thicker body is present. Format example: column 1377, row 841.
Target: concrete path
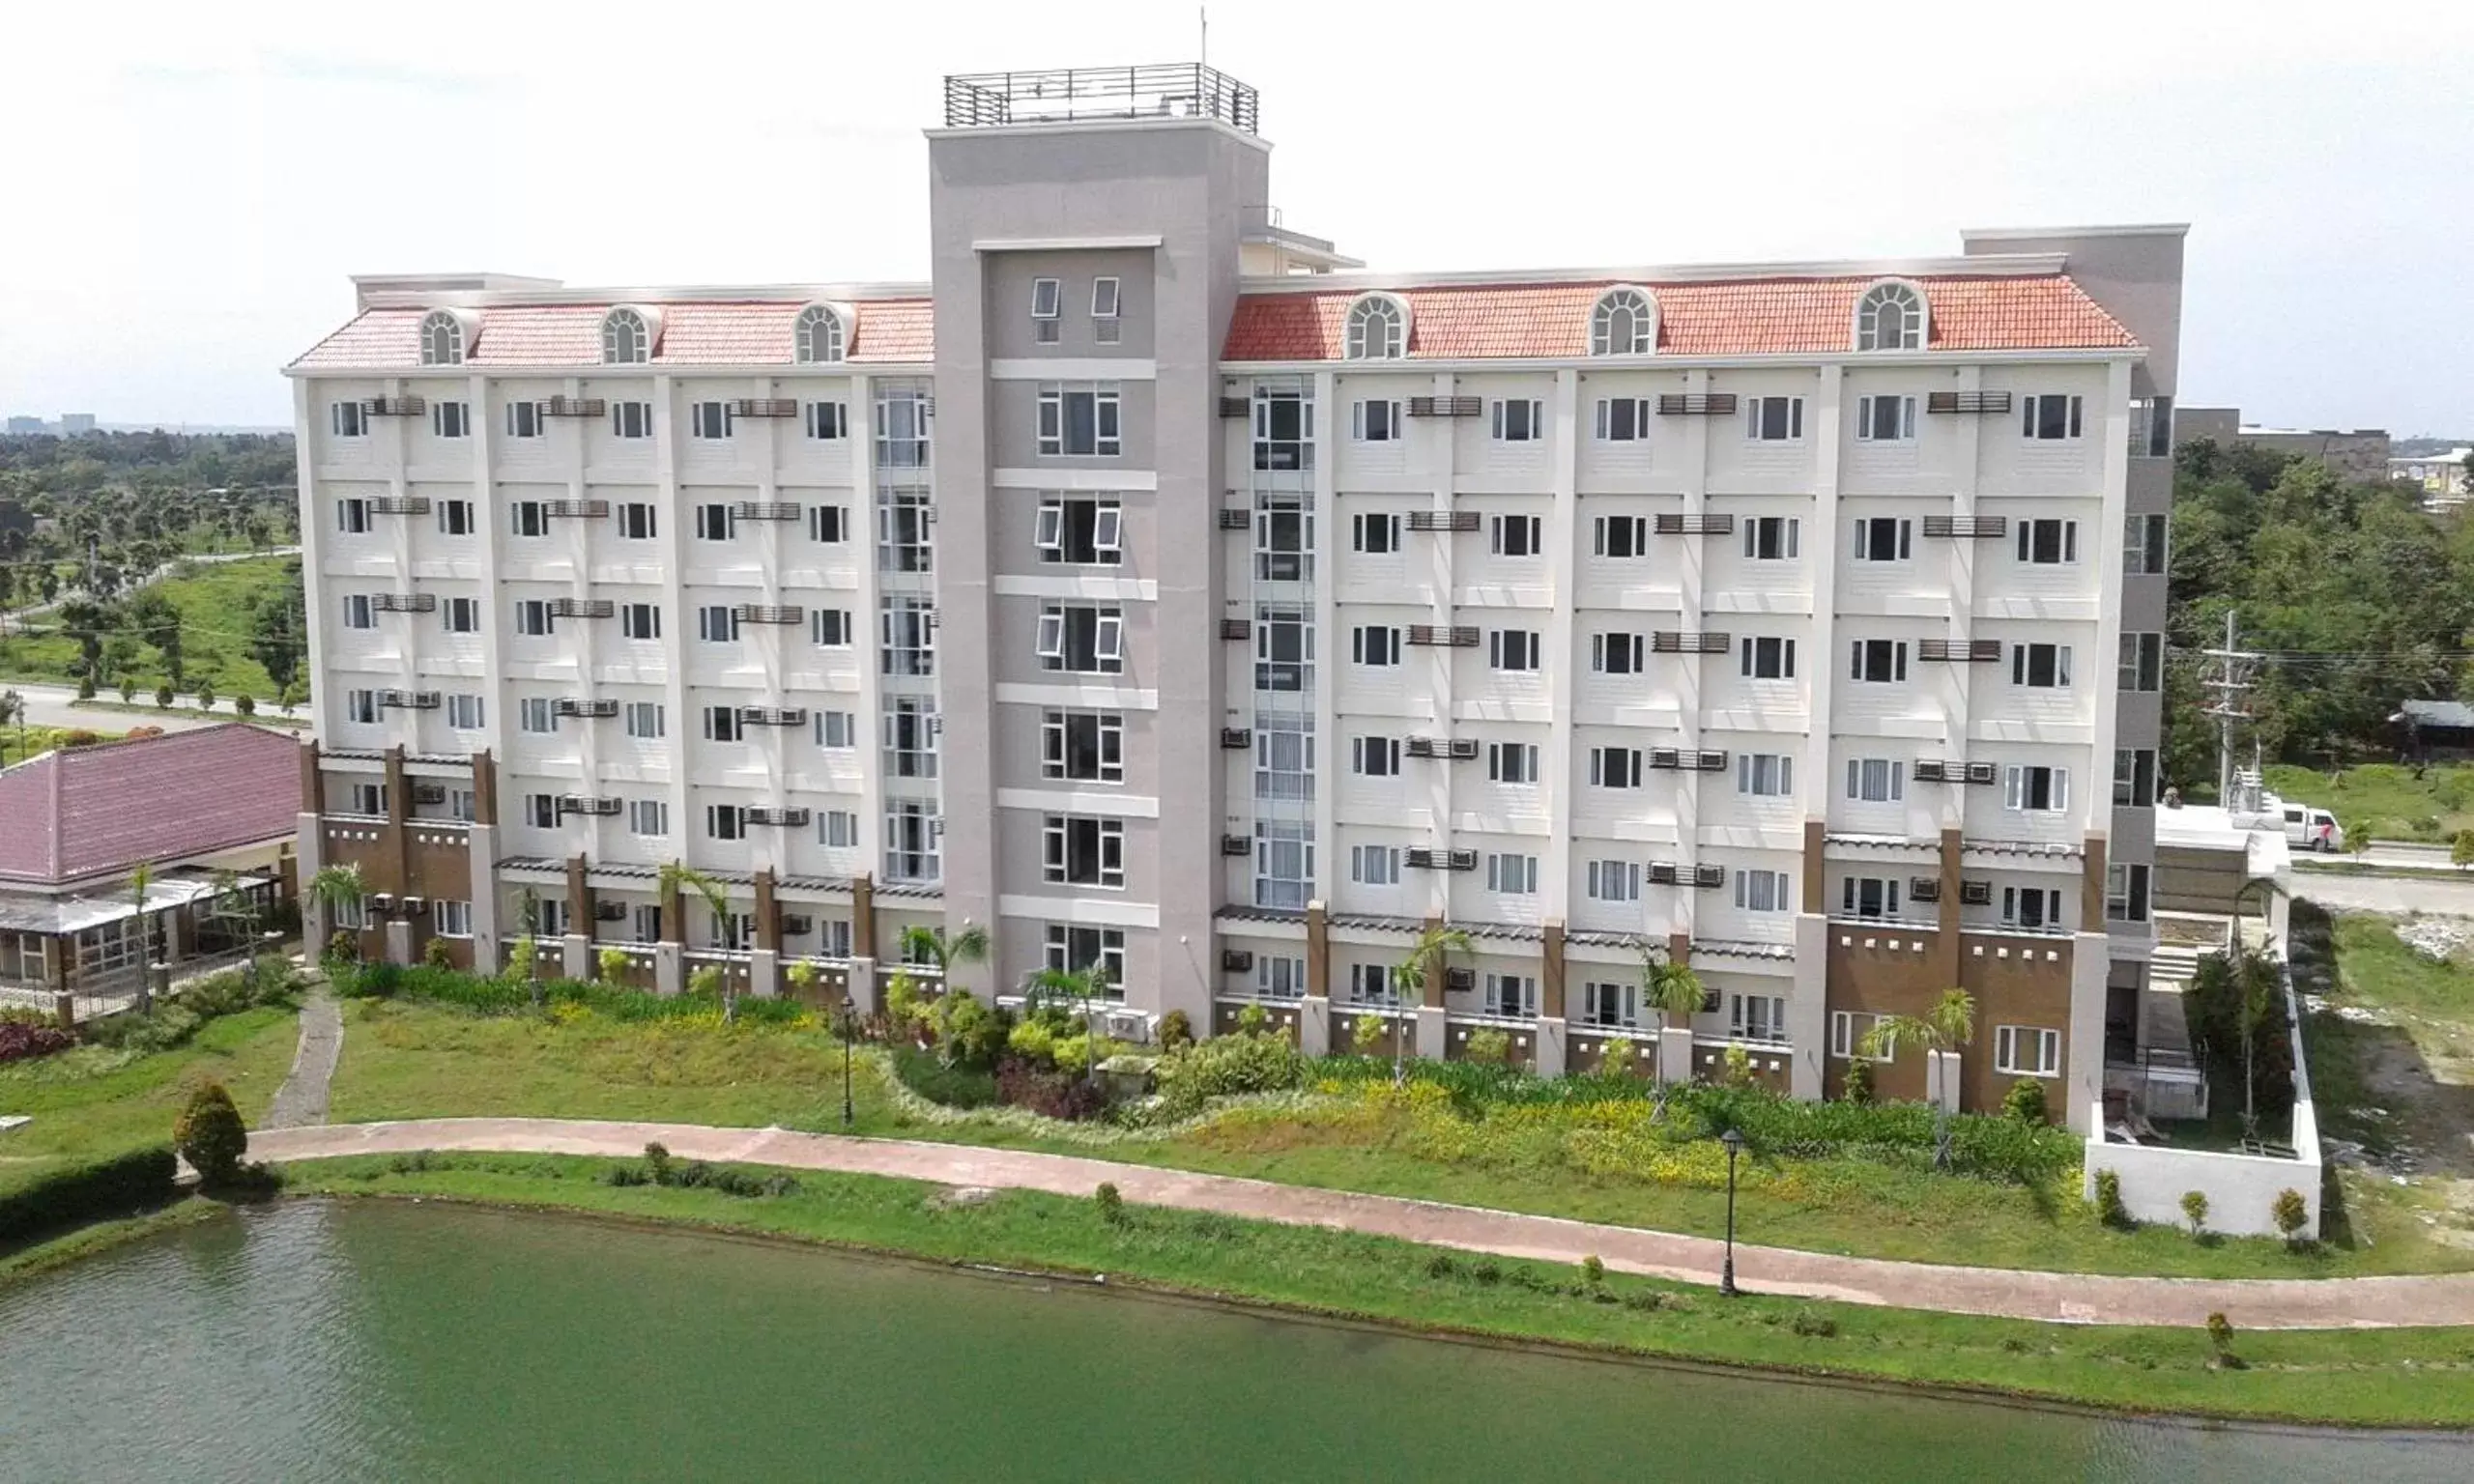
column 302, row 1101
column 2299, row 1303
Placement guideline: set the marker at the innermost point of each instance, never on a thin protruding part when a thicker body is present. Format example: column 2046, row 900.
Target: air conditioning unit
column 1423, row 746
column 1464, row 860
column 1463, row 748
column 1128, row 1025
column 1463, row 979
column 1420, row 858
column 1933, row 770
column 1237, row 961
column 797, row 924
column 1236, row 628
column 1709, row 877
column 1924, row 889
column 1236, row 845
column 1975, row 894
column 1234, row 407
column 609, row 911
column 1236, row 520
column 413, row 907
column 1711, row 761
column 382, row 903
column 1237, row 739
column 1983, row 773
column 1664, row 873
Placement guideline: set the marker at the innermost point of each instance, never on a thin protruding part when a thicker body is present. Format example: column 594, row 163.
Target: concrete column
column 1675, row 1054
column 1808, row 1007
column 860, row 985
column 1315, row 1025
column 1433, row 1030
column 308, row 848
column 579, row 895
column 482, row 856
column 2083, row 1087
column 1318, row 945
column 1435, row 971
column 64, row 1010
column 575, row 957
column 765, row 974
column 1551, row 1051
column 863, row 915
column 669, row 968
column 1942, row 1081
column 55, row 963
column 1550, row 973
column 399, row 940
column 769, row 913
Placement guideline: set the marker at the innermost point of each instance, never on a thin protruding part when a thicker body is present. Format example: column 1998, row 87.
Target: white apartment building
column 1153, row 586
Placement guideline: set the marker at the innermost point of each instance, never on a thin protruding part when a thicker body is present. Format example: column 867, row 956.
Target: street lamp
column 850, row 1033
column 1727, row 1274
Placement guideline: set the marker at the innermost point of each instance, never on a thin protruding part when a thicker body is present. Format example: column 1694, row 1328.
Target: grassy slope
column 2387, row 1377
column 214, row 617
column 2396, row 804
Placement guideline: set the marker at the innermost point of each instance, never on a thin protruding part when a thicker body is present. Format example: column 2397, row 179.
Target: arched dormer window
column 441, row 338
column 1379, row 330
column 819, row 338
column 1890, row 317
column 1624, row 323
column 627, row 339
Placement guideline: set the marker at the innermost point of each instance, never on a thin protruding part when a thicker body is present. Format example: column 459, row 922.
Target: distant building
column 2359, row 454
column 24, row 427
column 2441, row 476
column 76, row 424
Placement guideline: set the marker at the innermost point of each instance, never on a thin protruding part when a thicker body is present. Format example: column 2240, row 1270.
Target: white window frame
column 2035, row 407
column 1877, row 780
column 1903, row 537
column 2041, row 1044
column 648, row 818
column 1511, row 873
column 2065, row 541
column 1757, row 419
column 1374, row 420
column 2018, row 791
column 1765, row 775
column 1884, row 418
column 1763, row 890
column 1612, row 880
column 646, row 719
column 631, row 420
column 1634, row 532
column 1773, row 538
column 1512, row 762
column 1526, row 426
column 2023, row 666
column 1374, row 865
column 827, row 421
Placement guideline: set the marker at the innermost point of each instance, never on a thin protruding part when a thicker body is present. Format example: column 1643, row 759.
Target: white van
column 2313, row 829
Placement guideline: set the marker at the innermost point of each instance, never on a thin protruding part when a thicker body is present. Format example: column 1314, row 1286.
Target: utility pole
column 2228, row 703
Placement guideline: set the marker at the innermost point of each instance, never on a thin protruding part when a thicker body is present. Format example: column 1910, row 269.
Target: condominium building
column 1155, row 587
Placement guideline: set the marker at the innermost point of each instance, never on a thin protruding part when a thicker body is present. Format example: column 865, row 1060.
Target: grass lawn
column 95, row 1100
column 405, row 1060
column 2383, row 1377
column 38, row 741
column 2390, row 799
column 214, row 602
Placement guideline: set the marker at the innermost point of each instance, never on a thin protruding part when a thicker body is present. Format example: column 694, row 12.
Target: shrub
column 1367, row 1034
column 209, row 1135
column 926, row 1073
column 1111, row 1205
column 2220, row 1338
column 615, row 963
column 1225, row 1065
column 78, row 736
column 1050, row 1094
column 1490, row 1044
column 2025, row 1100
column 343, row 947
column 22, row 1039
column 246, row 703
column 1487, row 1271
column 2195, row 1210
column 1593, row 1270
column 437, row 954
column 1033, row 1041
column 1615, row 1059
column 112, row 1186
column 1177, row 1029
column 657, row 1166
column 972, row 1034
column 1253, row 1020
column 2291, row 1213
column 1859, row 1082
column 1739, row 1067
column 1442, row 1264
column 164, row 697
column 85, row 687
column 1813, row 1325
column 2109, row 1199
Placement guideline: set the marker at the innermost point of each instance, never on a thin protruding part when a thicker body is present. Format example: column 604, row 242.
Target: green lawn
column 213, row 603
column 2395, row 1377
column 16, row 744
column 2389, row 799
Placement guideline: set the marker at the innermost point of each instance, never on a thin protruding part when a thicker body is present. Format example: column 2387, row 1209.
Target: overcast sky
column 190, row 185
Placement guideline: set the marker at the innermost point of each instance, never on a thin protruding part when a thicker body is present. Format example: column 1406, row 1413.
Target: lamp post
column 850, row 1033
column 1727, row 1274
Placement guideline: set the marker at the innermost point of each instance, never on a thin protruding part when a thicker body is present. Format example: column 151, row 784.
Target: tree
column 1087, row 985
column 677, row 877
column 1426, row 957
column 155, row 619
column 141, row 883
column 2195, row 1210
column 233, row 905
column 279, row 634
column 1673, row 990
column 2461, row 849
column 209, row 1135
column 164, row 696
column 337, row 891
column 245, row 705
column 204, row 695
column 2258, row 978
column 931, row 945
column 1943, row 1029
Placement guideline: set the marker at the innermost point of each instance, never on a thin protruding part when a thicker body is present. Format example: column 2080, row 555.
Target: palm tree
column 141, row 882
column 236, row 907
column 1089, row 984
column 1673, row 990
column 930, row 945
column 335, row 890
column 1432, row 949
column 1945, row 1028
column 679, row 876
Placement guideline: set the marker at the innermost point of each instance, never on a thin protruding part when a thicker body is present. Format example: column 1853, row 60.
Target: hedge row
column 511, row 995
column 93, row 1191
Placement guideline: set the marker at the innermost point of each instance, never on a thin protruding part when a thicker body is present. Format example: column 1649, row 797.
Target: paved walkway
column 302, row 1101
column 2300, row 1304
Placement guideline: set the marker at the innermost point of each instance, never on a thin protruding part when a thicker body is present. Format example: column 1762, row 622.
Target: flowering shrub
column 21, row 1040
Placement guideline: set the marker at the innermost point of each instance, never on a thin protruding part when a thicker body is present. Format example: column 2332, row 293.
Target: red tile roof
column 1729, row 317
column 87, row 811
column 889, row 332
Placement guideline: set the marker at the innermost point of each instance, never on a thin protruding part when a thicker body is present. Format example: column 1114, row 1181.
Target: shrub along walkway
column 2250, row 1303
column 303, row 1098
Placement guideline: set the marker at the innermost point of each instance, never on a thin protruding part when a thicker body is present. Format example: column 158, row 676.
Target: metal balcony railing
column 1161, row 90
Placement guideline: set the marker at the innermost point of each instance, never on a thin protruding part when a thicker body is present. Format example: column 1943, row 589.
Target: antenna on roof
column 1202, row 54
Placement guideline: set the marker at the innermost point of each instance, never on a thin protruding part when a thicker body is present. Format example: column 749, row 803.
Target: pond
column 394, row 1341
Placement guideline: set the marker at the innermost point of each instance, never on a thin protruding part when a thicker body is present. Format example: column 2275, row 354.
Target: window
column 1512, row 762
column 910, row 736
column 831, row 628
column 1045, row 297
column 361, row 706
column 442, row 341
column 2027, row 1051
column 1079, row 530
column 2135, row 777
column 2126, row 893
column 464, row 712
column 536, row 714
column 717, row 624
column 2045, row 666
column 816, row 339
column 714, row 522
column 461, row 615
column 1769, row 658
column 1376, row 644
column 1519, row 419
column 639, row 620
column 1868, row 896
column 1371, row 984
column 828, row 419
column 1763, row 890
column 2143, row 662
column 1623, row 535
column 1890, row 317
column 2035, row 786
column 352, row 516
column 1615, row 767
column 2048, row 543
column 1379, row 330
column 1105, row 302
column 1279, row 976
column 1086, row 745
column 645, row 719
column 1375, row 421
column 1883, row 538
column 1513, row 876
column 828, row 523
column 724, row 821
column 1514, row 649
column 1624, row 323
column 1876, row 780
column 1283, row 754
column 523, row 419
column 1610, row 1006
column 1771, row 537
column 907, row 635
column 2030, row 906
column 1071, row 947
column 369, row 799
column 1618, row 653
column 1517, row 536
column 721, row 724
column 626, row 340
column 1082, row 851
column 2049, row 419
column 1623, row 419
column 649, row 817
column 1078, row 422
column 1509, row 996
column 1764, row 774
column 460, row 804
column 1283, row 428
column 2145, row 542
column 647, row 921
column 357, row 613
column 541, row 810
column 631, row 420
column 1283, row 538
column 1374, row 865
column 1773, row 419
column 1877, row 661
column 528, row 518
column 1375, row 535
column 638, row 521
column 836, row 828
column 1848, row 1030
column 905, row 420
column 709, row 420
column 450, row 419
column 1885, row 419
column 456, row 518
column 348, row 419
column 1761, row 1018
column 533, row 617
column 1614, row 881
column 838, row 730
column 451, row 919
column 1374, row 756
column 1283, row 864
column 1082, row 638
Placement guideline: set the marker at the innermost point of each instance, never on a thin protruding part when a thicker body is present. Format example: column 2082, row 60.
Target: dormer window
column 626, row 340
column 1624, row 323
column 1890, row 317
column 441, row 338
column 1378, row 329
column 819, row 340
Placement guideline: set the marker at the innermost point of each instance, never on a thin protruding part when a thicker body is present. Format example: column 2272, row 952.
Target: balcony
column 1161, row 91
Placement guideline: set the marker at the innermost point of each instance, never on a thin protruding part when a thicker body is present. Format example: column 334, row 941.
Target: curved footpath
column 2251, row 1303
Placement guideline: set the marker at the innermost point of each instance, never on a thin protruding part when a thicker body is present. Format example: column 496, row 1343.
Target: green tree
column 209, row 1135
column 204, row 695
column 931, row 945
column 2461, row 849
column 279, row 635
column 1087, row 986
column 337, row 892
column 1426, row 957
column 1675, row 992
column 1945, row 1028
column 678, row 877
column 152, row 617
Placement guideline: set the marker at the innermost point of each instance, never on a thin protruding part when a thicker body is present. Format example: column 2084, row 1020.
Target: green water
column 389, row 1341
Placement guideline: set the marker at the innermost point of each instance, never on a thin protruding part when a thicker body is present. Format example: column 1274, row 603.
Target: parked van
column 2313, row 829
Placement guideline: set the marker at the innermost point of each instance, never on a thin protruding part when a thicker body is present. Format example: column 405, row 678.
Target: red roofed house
column 76, row 823
column 1158, row 588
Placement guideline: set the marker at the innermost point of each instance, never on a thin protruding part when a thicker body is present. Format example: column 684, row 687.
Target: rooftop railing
column 1161, row 90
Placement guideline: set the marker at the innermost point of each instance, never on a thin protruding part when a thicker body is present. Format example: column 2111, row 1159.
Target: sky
column 190, row 187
